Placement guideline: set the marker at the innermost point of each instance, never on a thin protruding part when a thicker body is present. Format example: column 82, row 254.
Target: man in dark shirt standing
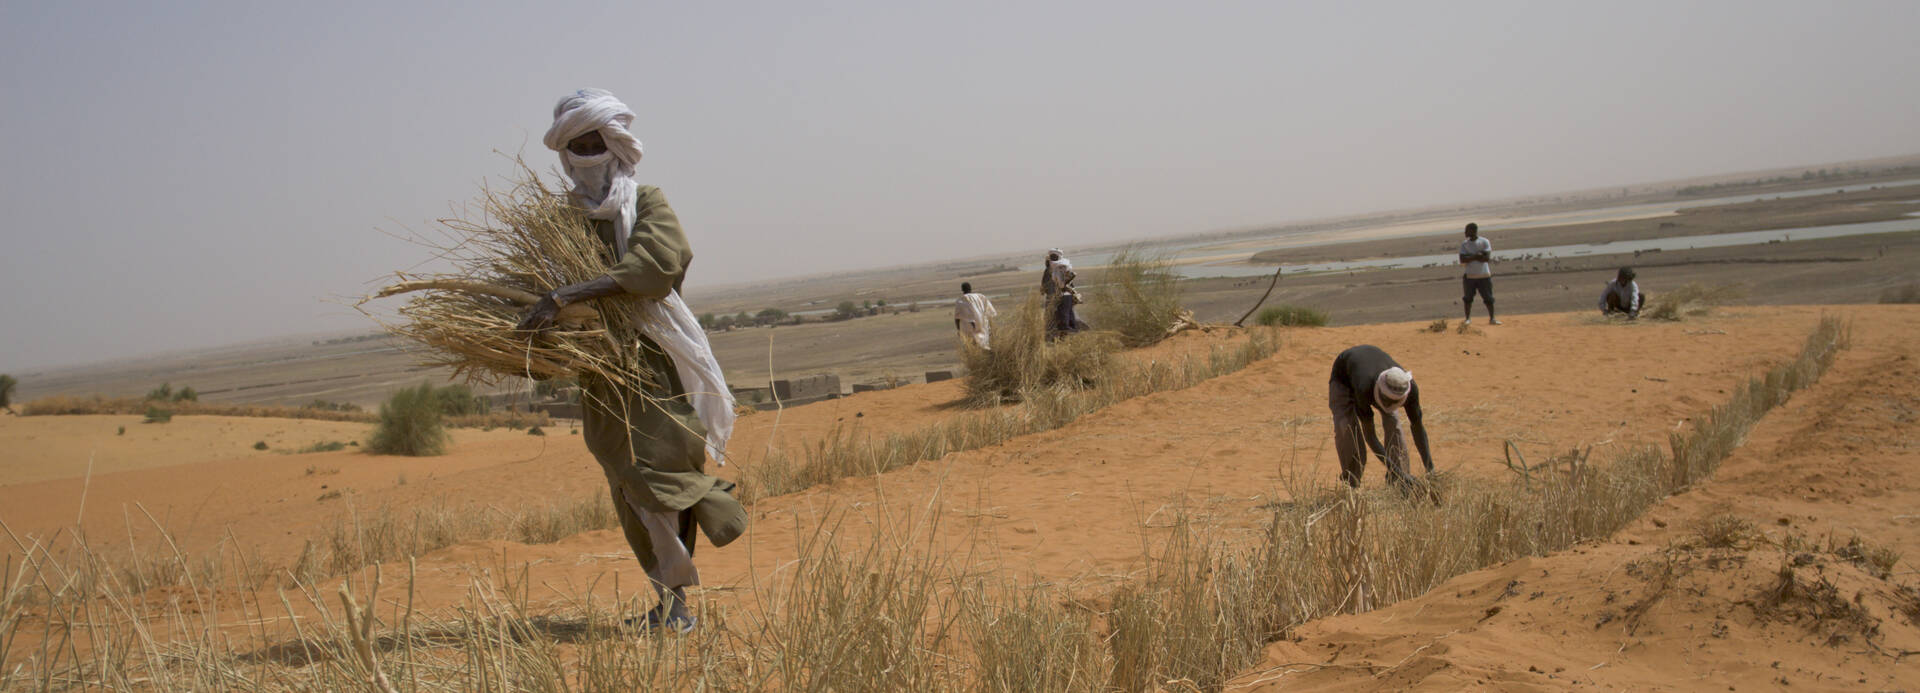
column 1364, row 379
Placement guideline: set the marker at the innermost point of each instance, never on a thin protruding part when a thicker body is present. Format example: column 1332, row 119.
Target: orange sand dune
column 1072, row 504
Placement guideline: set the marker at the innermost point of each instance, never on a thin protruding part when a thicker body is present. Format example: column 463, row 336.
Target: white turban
column 1392, row 387
column 604, row 182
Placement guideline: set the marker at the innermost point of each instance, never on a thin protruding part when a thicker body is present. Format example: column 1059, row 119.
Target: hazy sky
column 181, row 174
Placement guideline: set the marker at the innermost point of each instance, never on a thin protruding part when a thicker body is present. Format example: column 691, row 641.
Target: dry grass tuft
column 527, row 240
column 1693, row 300
column 1023, row 361
column 1137, row 296
column 1724, row 531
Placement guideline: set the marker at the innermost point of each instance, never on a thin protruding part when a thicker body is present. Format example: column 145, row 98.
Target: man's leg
column 1348, row 443
column 1486, row 295
column 1466, row 301
column 664, row 555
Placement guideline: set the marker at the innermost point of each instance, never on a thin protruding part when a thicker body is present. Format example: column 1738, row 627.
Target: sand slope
column 1074, row 505
column 1653, row 609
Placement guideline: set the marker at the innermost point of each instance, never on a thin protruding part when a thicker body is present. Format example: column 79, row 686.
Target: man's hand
column 540, row 316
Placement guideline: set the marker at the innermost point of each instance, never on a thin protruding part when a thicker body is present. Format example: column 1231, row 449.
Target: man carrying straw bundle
column 1364, row 379
column 653, row 441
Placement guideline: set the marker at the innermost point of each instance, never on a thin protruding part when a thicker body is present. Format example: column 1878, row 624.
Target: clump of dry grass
column 1723, row 531
column 1023, row 360
column 1136, row 296
column 1693, row 300
column 527, row 240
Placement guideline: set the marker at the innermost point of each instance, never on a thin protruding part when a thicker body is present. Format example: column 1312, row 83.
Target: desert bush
column 410, row 424
column 158, row 415
column 1905, row 293
column 7, row 385
column 1023, row 360
column 535, row 431
column 1136, row 296
column 186, row 394
column 163, row 393
column 1693, row 300
column 260, row 445
column 324, row 405
column 1292, row 316
column 1437, row 326
column 458, row 400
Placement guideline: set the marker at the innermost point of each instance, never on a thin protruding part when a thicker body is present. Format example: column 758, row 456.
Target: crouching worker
column 1623, row 296
column 1364, row 379
column 651, row 442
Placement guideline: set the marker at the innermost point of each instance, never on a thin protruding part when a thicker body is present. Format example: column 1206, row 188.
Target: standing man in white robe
column 971, row 313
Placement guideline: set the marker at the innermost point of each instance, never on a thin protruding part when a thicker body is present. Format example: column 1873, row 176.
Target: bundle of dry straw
column 520, row 242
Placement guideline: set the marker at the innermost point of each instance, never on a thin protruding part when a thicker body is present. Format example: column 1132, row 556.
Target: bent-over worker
column 1365, row 379
column 1622, row 295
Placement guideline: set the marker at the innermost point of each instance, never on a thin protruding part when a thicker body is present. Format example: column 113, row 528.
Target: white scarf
column 605, row 183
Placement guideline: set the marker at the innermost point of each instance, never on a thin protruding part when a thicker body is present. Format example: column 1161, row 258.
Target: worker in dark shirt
column 1364, row 379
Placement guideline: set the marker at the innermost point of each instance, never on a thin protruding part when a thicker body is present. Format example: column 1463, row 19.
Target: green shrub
column 535, row 431
column 459, row 400
column 164, row 393
column 1287, row 315
column 158, row 415
column 186, row 394
column 260, row 445
column 410, row 424
column 1137, row 296
column 7, row 386
column 122, row 432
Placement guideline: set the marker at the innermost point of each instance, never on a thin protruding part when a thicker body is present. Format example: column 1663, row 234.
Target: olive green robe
column 653, row 447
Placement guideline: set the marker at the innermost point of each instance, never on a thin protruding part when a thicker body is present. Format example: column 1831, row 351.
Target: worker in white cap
column 1366, row 379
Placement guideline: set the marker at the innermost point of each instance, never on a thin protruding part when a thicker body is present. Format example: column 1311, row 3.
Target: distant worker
column 1364, row 379
column 1477, row 255
column 1623, row 296
column 970, row 315
column 1056, row 285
